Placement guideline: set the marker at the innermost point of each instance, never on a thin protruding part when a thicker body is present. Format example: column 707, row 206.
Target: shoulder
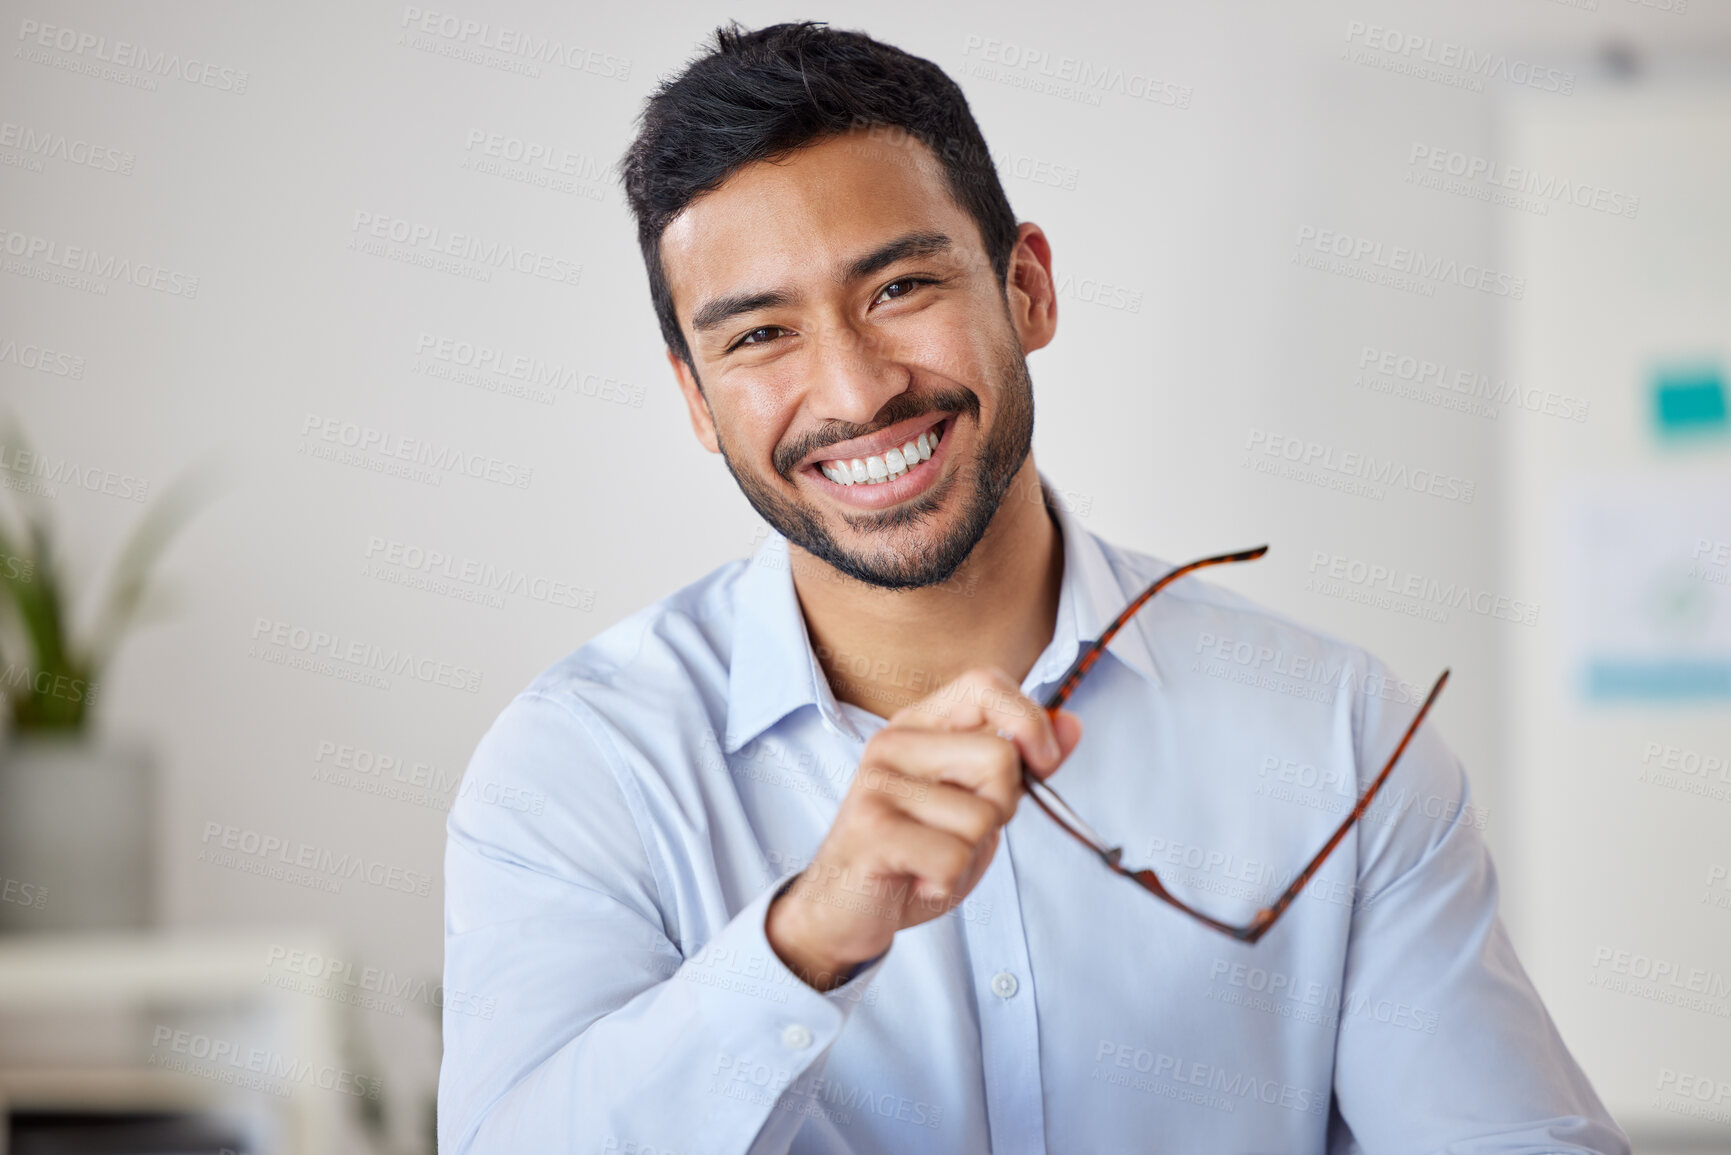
column 1226, row 658
column 684, row 636
column 663, row 667
column 586, row 740
column 1211, row 644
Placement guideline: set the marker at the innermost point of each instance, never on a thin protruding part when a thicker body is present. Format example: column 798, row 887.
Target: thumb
column 1068, row 730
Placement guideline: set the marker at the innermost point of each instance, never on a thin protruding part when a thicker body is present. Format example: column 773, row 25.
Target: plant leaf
column 131, row 578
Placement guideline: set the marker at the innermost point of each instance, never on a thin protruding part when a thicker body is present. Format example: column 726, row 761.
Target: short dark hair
column 760, row 95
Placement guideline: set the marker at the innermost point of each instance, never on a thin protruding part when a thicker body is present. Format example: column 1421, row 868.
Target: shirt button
column 1003, row 984
column 796, row 1037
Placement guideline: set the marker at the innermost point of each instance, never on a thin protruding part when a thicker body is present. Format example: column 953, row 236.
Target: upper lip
column 879, row 443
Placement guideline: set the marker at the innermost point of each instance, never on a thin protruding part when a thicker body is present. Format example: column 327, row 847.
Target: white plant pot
column 77, row 822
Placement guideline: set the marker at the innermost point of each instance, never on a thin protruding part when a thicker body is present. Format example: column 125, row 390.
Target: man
column 755, row 915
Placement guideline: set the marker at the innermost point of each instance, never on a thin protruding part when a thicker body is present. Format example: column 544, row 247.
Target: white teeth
column 877, row 470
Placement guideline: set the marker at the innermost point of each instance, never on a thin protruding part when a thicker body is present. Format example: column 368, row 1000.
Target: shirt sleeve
column 572, row 1023
column 1443, row 1043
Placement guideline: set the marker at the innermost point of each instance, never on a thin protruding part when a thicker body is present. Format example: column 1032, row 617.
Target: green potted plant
column 76, row 807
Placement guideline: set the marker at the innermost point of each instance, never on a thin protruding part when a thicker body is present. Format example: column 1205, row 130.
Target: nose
column 852, row 375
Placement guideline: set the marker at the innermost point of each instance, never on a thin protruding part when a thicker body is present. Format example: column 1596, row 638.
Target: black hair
column 760, row 95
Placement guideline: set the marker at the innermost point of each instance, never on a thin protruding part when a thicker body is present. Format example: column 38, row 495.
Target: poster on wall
column 1646, row 572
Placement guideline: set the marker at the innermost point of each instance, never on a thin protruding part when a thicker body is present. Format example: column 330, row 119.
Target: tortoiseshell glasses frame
column 1061, row 813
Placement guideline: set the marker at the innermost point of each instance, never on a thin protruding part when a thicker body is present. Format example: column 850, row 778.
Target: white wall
column 1144, row 414
column 1619, row 843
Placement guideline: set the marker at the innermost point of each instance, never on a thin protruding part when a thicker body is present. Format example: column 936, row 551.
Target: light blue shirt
column 610, row 987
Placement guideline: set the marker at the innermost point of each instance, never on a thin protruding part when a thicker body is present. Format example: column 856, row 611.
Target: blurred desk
column 175, row 1021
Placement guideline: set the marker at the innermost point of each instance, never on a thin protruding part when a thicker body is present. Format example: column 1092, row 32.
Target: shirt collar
column 773, row 670
column 1089, row 598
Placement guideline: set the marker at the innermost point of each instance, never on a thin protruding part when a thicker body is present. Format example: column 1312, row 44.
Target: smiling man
column 782, row 895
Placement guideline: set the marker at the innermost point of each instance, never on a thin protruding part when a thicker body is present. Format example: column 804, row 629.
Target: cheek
column 949, row 357
column 965, row 347
column 752, row 422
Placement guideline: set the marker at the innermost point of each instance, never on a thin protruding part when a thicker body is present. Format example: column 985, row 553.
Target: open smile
column 886, row 467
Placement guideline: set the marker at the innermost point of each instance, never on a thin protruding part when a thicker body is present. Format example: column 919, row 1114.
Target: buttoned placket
column 991, row 921
column 1004, row 991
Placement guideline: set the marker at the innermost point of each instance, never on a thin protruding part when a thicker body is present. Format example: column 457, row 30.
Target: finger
column 986, row 698
column 1068, row 727
column 983, row 852
column 961, row 812
column 979, row 762
column 938, row 860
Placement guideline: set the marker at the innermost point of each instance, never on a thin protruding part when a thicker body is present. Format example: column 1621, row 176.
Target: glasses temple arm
column 1073, row 677
column 1273, row 911
column 1084, row 661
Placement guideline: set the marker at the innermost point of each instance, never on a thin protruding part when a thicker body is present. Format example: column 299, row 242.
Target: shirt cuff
column 750, row 995
column 771, row 1032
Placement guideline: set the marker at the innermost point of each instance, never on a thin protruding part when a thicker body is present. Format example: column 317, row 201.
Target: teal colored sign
column 1661, row 680
column 1688, row 402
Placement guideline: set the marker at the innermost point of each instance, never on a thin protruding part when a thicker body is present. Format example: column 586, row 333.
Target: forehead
column 796, row 220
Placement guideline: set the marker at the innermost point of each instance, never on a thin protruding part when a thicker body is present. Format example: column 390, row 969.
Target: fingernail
column 1053, row 750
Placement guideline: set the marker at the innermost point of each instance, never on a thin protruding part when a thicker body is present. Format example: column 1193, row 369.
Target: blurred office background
column 1485, row 244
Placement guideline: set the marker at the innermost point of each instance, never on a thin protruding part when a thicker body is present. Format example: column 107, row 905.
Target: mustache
column 901, row 407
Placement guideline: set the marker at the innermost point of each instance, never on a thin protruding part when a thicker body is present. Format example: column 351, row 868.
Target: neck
column 884, row 649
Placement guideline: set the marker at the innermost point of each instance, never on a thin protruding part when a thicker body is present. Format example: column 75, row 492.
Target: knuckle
column 983, row 817
column 874, row 814
column 997, row 691
column 886, row 745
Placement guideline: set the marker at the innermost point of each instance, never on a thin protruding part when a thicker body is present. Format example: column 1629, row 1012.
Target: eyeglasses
column 1061, row 813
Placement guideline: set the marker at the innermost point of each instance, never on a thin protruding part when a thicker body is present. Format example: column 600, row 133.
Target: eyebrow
column 718, row 312
column 900, row 249
column 715, row 313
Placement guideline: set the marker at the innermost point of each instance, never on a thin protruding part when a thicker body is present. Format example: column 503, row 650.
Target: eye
column 902, row 287
column 757, row 336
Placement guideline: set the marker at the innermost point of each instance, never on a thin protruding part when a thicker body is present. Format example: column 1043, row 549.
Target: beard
column 905, row 559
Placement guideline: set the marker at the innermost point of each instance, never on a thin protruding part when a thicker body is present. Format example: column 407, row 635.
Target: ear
column 1029, row 289
column 696, row 405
